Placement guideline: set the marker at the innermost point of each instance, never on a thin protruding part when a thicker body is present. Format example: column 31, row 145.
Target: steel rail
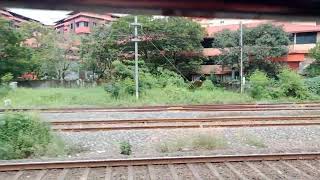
column 36, row 165
column 136, row 124
column 168, row 120
column 213, row 107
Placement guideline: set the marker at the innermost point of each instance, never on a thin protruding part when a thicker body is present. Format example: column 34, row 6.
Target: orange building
column 304, row 36
column 82, row 22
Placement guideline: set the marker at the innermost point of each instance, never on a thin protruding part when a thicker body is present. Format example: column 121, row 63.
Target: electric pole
column 241, row 60
column 135, row 40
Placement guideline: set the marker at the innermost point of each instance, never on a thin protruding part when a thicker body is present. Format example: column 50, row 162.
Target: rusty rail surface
column 35, row 165
column 134, row 124
column 213, row 107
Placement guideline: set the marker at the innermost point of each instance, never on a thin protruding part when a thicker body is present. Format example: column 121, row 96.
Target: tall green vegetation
column 171, row 43
column 24, row 135
column 14, row 58
column 313, row 69
column 288, row 84
column 50, row 50
column 259, row 85
column 261, row 44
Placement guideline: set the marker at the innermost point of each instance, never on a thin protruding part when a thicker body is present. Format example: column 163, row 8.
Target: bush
column 24, row 135
column 6, row 78
column 313, row 85
column 313, row 70
column 113, row 88
column 125, row 148
column 169, row 78
column 259, row 84
column 291, row 84
column 208, row 85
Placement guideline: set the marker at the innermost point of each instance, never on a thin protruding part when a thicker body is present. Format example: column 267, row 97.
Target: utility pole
column 241, row 59
column 136, row 40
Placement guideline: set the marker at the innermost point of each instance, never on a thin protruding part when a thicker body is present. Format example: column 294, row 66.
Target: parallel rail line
column 215, row 107
column 36, row 165
column 134, row 124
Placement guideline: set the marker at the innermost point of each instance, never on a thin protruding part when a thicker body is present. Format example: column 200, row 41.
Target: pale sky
column 47, row 17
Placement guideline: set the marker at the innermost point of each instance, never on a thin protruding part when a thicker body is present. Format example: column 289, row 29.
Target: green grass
column 97, row 97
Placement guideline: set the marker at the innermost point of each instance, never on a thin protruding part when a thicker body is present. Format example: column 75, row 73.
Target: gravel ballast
column 145, row 143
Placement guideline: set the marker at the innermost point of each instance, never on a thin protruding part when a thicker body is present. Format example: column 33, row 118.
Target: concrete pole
column 136, row 74
column 241, row 58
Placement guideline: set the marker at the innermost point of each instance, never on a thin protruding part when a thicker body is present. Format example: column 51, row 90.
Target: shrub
column 24, row 135
column 6, row 78
column 128, row 86
column 313, row 85
column 259, row 84
column 208, row 85
column 169, row 78
column 125, row 148
column 292, row 84
column 313, row 70
column 113, row 88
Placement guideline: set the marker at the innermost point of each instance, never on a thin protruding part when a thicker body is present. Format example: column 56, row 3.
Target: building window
column 71, row 26
column 82, row 24
column 306, row 38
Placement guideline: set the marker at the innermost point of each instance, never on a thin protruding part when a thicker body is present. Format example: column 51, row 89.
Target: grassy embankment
column 97, row 97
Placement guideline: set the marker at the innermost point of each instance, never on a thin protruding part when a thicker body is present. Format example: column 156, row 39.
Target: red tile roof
column 288, row 27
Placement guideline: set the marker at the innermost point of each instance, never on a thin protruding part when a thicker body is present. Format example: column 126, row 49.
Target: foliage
column 14, row 58
column 23, row 135
column 98, row 51
column 50, row 50
column 125, row 148
column 166, row 77
column 261, row 44
column 113, row 88
column 313, row 84
column 208, row 85
column 292, row 84
column 315, row 52
column 259, row 85
column 172, row 43
column 6, row 78
column 313, row 70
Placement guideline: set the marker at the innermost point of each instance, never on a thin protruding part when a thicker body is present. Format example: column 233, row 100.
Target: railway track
column 259, row 166
column 134, row 124
column 216, row 107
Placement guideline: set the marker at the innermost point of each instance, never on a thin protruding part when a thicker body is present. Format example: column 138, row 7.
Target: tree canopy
column 261, row 44
column 172, row 43
column 49, row 50
column 14, row 58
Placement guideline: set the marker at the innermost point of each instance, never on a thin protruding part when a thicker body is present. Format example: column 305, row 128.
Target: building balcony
column 300, row 48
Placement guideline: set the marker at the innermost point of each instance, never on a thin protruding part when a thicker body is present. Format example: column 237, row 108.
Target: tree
column 50, row 50
column 172, row 43
column 14, row 58
column 98, row 51
column 261, row 45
